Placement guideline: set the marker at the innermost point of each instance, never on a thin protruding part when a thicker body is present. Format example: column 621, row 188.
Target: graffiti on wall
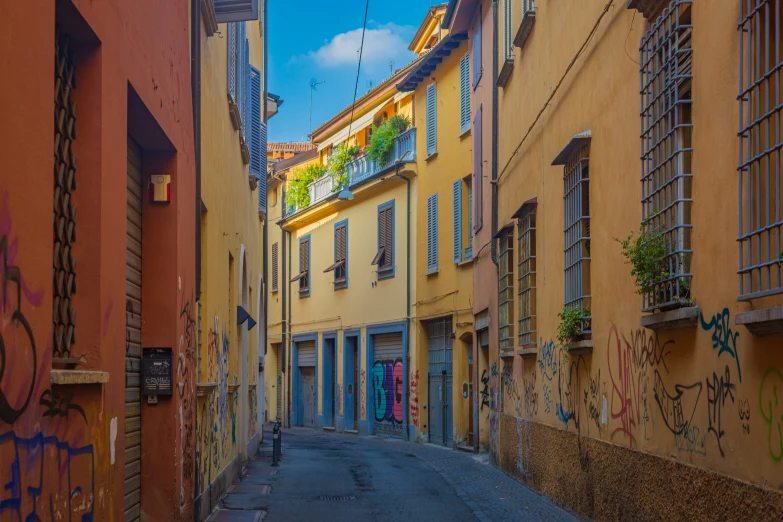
column 723, row 338
column 414, row 400
column 484, row 390
column 530, row 394
column 185, row 389
column 771, row 406
column 744, row 415
column 719, row 390
column 363, row 400
column 253, row 420
column 387, row 385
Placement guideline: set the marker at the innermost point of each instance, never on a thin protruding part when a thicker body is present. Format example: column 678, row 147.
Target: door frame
column 356, row 334
column 298, row 413
column 367, row 425
column 329, row 379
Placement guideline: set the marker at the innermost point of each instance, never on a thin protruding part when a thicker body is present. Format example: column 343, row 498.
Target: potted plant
column 382, row 139
column 297, row 194
column 574, row 320
column 646, row 253
column 338, row 164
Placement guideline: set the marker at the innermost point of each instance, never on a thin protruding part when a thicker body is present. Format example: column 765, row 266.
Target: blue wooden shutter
column 478, row 178
column 262, row 188
column 232, row 62
column 464, row 93
column 243, row 78
column 235, row 10
column 432, row 233
column 469, row 210
column 432, row 136
column 254, row 121
column 457, row 203
column 477, row 49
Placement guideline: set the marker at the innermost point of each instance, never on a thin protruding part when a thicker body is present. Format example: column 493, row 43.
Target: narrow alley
column 328, row 477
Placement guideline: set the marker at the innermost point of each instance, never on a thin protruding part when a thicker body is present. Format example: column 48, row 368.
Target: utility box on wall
column 156, row 371
column 160, row 188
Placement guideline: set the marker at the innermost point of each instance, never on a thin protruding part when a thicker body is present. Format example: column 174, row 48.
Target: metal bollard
column 275, row 443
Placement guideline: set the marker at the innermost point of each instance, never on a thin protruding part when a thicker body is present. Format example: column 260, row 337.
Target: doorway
column 440, row 377
column 307, row 382
column 329, row 403
column 351, row 380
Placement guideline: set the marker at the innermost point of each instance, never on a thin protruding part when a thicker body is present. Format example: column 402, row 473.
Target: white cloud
column 381, row 44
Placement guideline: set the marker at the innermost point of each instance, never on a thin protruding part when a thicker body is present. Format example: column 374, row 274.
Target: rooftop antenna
column 391, row 66
column 313, row 83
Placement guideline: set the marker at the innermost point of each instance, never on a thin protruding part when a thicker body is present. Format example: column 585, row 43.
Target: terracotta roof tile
column 296, row 146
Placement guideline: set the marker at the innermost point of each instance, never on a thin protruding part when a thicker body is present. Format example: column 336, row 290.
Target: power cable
column 359, row 66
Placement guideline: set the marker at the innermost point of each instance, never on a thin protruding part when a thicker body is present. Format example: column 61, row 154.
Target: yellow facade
column 232, row 236
column 693, row 399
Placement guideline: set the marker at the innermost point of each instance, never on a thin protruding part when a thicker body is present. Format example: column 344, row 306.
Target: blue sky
column 316, row 39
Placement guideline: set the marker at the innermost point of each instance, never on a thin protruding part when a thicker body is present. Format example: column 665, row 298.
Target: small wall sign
column 156, row 371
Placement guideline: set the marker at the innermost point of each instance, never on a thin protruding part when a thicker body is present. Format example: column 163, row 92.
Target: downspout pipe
column 493, row 246
column 195, row 91
column 285, row 285
column 408, row 293
column 266, row 284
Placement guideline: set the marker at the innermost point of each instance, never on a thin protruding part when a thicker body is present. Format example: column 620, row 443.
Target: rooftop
column 293, row 146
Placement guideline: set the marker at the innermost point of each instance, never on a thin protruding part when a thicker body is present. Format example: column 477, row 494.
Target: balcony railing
column 403, row 149
column 360, row 169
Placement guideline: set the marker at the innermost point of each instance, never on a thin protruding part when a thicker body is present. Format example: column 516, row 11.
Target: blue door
column 349, row 388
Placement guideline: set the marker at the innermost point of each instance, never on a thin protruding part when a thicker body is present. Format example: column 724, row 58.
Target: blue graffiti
column 723, row 338
column 546, row 359
column 547, row 399
column 563, row 415
column 49, row 475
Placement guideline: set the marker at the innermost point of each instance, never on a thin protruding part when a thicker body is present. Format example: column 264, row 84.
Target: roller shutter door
column 388, row 381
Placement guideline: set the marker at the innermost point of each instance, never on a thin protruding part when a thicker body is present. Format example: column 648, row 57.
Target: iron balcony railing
column 403, row 149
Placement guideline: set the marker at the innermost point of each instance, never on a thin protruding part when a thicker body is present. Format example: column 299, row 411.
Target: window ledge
column 274, row 290
column 244, row 150
column 205, row 388
column 507, row 353
column 433, row 273
column 464, row 133
column 505, row 72
column 687, row 317
column 767, row 321
column 385, row 274
column 68, row 377
column 233, row 388
column 528, row 19
column 531, row 351
column 431, row 156
column 581, row 347
column 233, row 111
column 208, row 14
column 328, row 428
column 466, row 262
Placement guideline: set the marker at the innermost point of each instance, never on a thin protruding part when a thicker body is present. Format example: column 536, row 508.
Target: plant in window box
column 382, row 139
column 574, row 320
column 646, row 253
column 297, row 194
column 338, row 164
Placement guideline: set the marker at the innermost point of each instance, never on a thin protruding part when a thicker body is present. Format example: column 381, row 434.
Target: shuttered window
column 526, row 274
column 384, row 259
column 456, row 197
column 254, row 121
column 262, row 187
column 303, row 277
column 235, row 10
column 340, row 265
column 464, row 93
column 478, row 178
column 275, row 265
column 432, row 233
column 432, row 122
column 508, row 49
column 243, row 76
column 469, row 230
column 477, row 65
column 232, row 62
column 506, row 290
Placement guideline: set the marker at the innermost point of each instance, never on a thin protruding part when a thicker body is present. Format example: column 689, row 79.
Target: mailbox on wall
column 156, row 371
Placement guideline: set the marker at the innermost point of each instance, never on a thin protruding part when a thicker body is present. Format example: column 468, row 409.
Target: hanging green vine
column 297, row 194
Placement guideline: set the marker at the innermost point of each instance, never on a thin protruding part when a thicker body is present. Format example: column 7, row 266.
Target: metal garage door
column 279, row 381
column 439, row 369
column 388, row 380
column 306, row 362
column 133, row 337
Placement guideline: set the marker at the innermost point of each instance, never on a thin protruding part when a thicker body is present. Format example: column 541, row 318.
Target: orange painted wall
column 144, row 46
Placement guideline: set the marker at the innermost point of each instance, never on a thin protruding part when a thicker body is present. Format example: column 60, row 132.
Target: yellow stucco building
column 233, row 208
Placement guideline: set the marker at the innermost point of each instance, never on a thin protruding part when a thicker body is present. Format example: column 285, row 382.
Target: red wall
column 142, row 47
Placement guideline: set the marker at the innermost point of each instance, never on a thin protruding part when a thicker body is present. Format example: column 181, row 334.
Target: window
column 526, row 24
column 760, row 141
column 526, row 274
column 238, row 76
column 478, row 177
column 384, row 259
column 577, row 229
column 477, row 65
column 340, row 265
column 508, row 48
column 432, row 123
column 456, row 200
column 235, row 10
column 464, row 93
column 461, row 203
column 303, row 277
column 666, row 70
column 254, row 121
column 275, row 265
column 432, row 233
column 506, row 289
column 469, row 209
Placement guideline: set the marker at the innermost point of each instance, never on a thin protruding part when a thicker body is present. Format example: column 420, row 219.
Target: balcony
column 361, row 169
column 403, row 149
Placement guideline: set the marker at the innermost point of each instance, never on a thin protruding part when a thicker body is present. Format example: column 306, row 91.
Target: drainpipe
column 408, row 294
column 265, row 289
column 493, row 246
column 288, row 327
column 284, row 344
column 195, row 87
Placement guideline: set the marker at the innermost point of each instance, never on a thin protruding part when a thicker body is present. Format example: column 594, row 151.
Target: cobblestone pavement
column 330, row 476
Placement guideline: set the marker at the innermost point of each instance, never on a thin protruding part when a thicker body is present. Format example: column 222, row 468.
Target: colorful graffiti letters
column 387, row 382
column 723, row 338
column 771, row 405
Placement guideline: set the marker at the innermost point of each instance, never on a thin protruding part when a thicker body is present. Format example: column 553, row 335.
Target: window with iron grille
column 526, row 274
column 760, row 142
column 577, row 230
column 506, row 290
column 303, row 277
column 340, row 265
column 666, row 59
column 384, row 258
column 275, row 265
column 508, row 48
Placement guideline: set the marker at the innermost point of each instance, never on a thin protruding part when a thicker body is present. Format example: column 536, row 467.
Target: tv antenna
column 313, row 84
